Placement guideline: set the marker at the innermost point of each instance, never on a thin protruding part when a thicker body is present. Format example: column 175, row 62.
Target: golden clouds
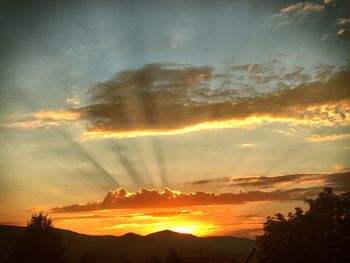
column 168, row 99
column 339, row 181
column 157, row 100
column 343, row 21
column 47, row 119
column 323, row 138
column 302, row 8
column 145, row 198
column 57, row 115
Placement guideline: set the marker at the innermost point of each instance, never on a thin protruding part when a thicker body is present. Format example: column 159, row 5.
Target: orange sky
column 202, row 117
column 200, row 220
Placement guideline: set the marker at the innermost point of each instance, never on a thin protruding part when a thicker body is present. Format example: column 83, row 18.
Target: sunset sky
column 197, row 116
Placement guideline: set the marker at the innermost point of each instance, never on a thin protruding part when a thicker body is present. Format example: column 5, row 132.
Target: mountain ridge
column 137, row 247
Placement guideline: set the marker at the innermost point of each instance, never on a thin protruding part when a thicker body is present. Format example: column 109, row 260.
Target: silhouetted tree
column 89, row 257
column 173, row 257
column 200, row 258
column 321, row 234
column 40, row 243
column 124, row 259
column 153, row 260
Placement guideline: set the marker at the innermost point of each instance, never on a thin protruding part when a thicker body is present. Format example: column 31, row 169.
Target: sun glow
column 185, row 230
column 326, row 115
column 147, row 221
column 183, row 226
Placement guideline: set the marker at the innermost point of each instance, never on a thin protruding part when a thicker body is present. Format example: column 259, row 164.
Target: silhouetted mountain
column 131, row 235
column 167, row 233
column 138, row 248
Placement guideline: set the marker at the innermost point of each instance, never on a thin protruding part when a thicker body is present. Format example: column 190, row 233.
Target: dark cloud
column 147, row 98
column 249, row 216
column 145, row 198
column 216, row 180
column 340, row 181
column 336, row 180
column 323, row 71
column 167, row 97
column 272, row 181
column 344, row 33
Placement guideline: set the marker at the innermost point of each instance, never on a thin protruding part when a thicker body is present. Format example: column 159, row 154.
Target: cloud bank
column 145, row 198
column 339, row 181
column 163, row 98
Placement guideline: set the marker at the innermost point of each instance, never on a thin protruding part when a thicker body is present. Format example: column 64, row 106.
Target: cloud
column 207, row 181
column 256, row 68
column 166, row 99
column 339, row 180
column 335, row 180
column 144, row 198
column 311, row 7
column 178, row 38
column 297, row 12
column 343, row 21
column 248, row 145
column 344, row 33
column 291, row 8
column 323, row 138
column 47, row 119
column 302, row 8
column 73, row 101
column 161, row 99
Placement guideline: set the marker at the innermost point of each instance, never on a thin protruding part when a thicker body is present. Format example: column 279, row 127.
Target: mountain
column 138, row 248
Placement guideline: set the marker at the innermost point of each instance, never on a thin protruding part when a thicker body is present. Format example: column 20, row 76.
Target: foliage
column 321, row 234
column 124, row 259
column 153, row 260
column 173, row 257
column 89, row 257
column 40, row 243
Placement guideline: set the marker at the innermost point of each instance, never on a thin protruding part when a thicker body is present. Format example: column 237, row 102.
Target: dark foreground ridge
column 137, row 248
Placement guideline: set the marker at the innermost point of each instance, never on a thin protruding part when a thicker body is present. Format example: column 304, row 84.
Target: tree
column 89, row 257
column 321, row 234
column 40, row 243
column 153, row 260
column 173, row 257
column 124, row 259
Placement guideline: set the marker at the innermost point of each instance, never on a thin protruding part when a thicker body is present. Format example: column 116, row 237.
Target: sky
column 197, row 116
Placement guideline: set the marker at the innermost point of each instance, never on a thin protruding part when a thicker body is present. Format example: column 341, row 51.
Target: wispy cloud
column 295, row 11
column 47, row 119
column 248, row 145
column 302, row 8
column 337, row 180
column 345, row 33
column 295, row 179
column 343, row 21
column 323, row 138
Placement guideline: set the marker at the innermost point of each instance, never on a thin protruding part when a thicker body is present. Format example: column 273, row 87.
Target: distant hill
column 138, row 248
